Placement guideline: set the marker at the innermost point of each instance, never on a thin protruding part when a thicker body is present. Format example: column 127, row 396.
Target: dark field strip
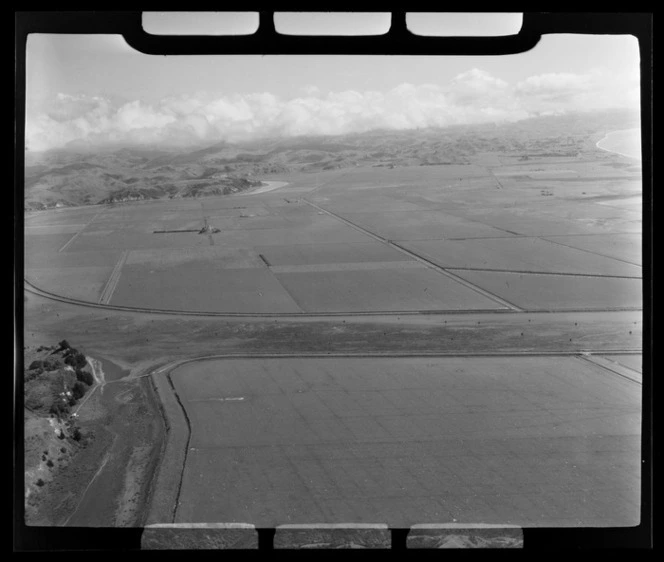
column 112, row 282
column 547, row 273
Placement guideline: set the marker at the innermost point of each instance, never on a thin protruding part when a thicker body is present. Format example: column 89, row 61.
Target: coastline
column 605, row 137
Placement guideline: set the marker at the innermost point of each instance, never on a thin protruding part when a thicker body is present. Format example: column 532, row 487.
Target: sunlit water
column 627, row 143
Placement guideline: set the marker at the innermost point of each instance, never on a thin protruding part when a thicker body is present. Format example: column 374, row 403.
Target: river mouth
column 268, row 185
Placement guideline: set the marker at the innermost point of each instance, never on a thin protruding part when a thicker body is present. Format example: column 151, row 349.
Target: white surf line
column 82, row 229
column 113, row 279
column 615, row 151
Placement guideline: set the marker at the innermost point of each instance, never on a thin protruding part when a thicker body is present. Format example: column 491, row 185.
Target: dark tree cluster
column 84, row 377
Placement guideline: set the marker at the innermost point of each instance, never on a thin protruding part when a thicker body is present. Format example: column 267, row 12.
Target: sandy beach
column 625, row 142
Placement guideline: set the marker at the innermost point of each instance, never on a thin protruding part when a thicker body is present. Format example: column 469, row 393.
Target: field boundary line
column 82, row 229
column 546, row 236
column 591, row 252
column 168, row 368
column 186, row 449
column 524, row 272
column 31, row 288
column 347, row 266
column 168, row 477
column 113, row 279
column 425, row 261
column 620, row 370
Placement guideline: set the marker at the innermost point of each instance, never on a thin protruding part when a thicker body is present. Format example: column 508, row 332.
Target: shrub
column 64, row 345
column 40, row 482
column 77, row 435
column 49, row 463
column 59, row 408
column 81, row 361
column 76, row 360
column 84, row 377
column 36, row 365
column 33, row 374
column 78, row 390
column 63, row 450
column 52, row 364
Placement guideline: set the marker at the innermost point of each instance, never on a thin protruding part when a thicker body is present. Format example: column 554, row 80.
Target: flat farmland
column 422, row 224
column 326, row 231
column 391, row 288
column 558, row 292
column 78, row 215
column 520, row 254
column 625, row 247
column 84, row 283
column 474, row 220
column 221, row 256
column 309, row 254
column 539, row 441
column 374, row 200
column 45, row 243
column 634, row 362
column 57, row 260
column 52, row 229
column 529, row 222
column 131, row 238
column 202, row 285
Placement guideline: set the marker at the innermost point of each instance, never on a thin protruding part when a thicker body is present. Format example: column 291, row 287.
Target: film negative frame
column 398, row 41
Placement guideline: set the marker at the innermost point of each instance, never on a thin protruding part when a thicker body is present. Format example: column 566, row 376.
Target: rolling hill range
column 80, row 176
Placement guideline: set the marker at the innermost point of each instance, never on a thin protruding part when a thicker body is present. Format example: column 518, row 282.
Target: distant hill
column 85, row 177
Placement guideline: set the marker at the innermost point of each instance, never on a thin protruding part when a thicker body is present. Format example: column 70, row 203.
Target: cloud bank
column 472, row 97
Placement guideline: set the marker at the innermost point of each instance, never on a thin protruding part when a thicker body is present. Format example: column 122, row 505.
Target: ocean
column 627, row 143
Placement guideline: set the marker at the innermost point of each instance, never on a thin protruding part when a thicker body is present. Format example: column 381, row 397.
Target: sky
column 97, row 90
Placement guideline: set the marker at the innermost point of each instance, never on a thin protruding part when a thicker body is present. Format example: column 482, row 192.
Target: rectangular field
column 42, row 244
column 634, row 362
column 65, row 259
column 394, row 289
column 552, row 442
column 81, row 215
column 626, row 247
column 84, row 283
column 131, row 238
column 519, row 254
column 558, row 292
column 310, row 254
column 418, row 225
column 223, row 257
column 201, row 285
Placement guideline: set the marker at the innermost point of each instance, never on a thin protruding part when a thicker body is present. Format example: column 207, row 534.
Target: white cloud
column 474, row 96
